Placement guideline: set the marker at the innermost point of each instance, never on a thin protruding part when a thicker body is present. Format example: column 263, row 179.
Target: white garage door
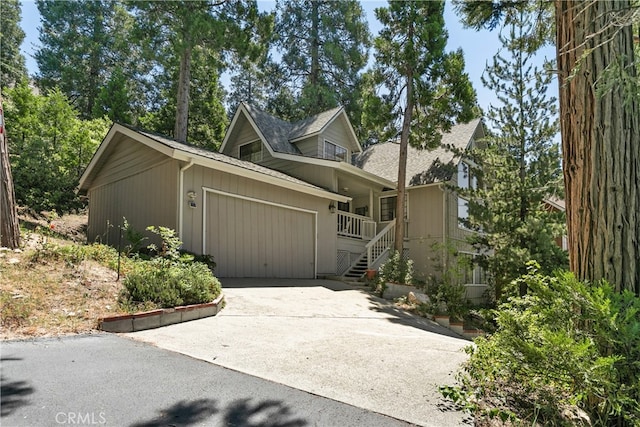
column 254, row 238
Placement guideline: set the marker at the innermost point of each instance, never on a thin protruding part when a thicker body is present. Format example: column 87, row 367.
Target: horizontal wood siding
column 241, row 134
column 311, row 147
column 274, row 163
column 337, row 133
column 146, row 198
column 198, row 177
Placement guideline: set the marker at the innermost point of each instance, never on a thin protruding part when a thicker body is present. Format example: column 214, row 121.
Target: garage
column 250, row 237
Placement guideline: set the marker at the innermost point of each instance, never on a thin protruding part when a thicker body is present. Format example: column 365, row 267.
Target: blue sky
column 478, row 46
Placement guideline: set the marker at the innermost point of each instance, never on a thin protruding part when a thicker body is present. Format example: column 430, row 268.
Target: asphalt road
column 114, row 381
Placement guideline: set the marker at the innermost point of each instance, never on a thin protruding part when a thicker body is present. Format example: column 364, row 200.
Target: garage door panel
column 251, row 238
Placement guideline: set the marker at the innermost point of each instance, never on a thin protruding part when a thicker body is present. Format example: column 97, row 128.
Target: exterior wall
column 426, row 227
column 317, row 175
column 127, row 158
column 311, row 147
column 338, row 133
column 197, row 177
column 243, row 133
column 145, row 198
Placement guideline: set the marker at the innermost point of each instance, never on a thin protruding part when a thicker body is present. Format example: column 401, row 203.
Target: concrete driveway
column 330, row 339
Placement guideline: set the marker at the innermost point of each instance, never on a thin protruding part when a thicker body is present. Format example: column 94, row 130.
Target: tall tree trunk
column 402, row 166
column 182, row 100
column 9, row 229
column 600, row 142
column 314, row 77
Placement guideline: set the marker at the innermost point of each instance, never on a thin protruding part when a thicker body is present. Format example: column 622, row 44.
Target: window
column 388, row 208
column 251, row 152
column 463, row 211
column 470, row 272
column 466, row 179
column 334, row 152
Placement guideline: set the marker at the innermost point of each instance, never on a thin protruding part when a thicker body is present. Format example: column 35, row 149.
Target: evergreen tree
column 12, row 65
column 83, row 43
column 600, row 127
column 427, row 90
column 519, row 168
column 324, row 47
column 207, row 116
column 178, row 30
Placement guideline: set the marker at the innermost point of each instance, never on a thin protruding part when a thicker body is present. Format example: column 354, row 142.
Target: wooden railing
column 381, row 243
column 355, row 226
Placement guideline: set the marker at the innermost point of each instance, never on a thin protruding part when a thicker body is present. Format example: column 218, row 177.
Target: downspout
column 181, row 196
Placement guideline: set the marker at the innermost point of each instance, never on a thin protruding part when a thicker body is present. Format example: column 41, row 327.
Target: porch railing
column 381, row 243
column 355, row 226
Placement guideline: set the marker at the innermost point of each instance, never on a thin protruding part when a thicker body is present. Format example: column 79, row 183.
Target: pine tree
column 427, row 90
column 12, row 64
column 600, row 127
column 519, row 167
column 324, row 47
column 83, row 43
column 178, row 30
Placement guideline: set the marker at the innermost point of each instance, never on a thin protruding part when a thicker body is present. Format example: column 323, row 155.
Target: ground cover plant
column 565, row 353
column 169, row 278
column 56, row 284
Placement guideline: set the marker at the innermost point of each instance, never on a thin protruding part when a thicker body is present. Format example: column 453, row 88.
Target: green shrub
column 397, row 269
column 170, row 284
column 565, row 353
column 171, row 278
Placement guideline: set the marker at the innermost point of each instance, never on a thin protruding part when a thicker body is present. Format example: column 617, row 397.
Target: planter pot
column 370, row 274
column 457, row 327
column 442, row 320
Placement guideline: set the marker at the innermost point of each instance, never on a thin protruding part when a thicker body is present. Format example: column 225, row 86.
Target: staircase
column 375, row 250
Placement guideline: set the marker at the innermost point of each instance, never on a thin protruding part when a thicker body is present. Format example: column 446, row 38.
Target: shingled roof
column 423, row 166
column 280, row 134
column 223, row 158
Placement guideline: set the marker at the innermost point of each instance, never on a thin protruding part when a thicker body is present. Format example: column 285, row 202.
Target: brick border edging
column 161, row 317
column 457, row 327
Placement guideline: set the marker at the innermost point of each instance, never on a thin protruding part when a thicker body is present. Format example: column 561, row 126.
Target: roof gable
column 423, row 166
column 185, row 152
column 280, row 136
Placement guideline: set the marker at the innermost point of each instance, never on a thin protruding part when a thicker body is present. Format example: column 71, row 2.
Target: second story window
column 466, row 178
column 251, row 152
column 334, row 152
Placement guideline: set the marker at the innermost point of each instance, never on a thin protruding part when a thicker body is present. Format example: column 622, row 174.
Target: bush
column 170, row 284
column 397, row 269
column 566, row 353
column 170, row 279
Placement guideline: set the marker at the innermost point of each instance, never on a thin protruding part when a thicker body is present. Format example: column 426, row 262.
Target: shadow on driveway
column 14, row 393
column 376, row 304
column 405, row 318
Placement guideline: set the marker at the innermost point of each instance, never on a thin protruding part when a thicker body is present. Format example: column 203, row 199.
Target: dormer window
column 334, row 152
column 251, row 152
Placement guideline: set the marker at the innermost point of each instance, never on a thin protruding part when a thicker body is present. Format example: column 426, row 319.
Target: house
column 279, row 199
